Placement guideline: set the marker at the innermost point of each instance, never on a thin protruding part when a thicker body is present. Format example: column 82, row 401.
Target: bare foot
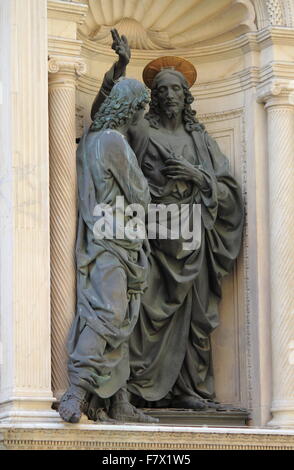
column 72, row 404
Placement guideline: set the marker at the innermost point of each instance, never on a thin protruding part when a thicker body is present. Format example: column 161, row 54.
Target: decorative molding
column 244, row 80
column 64, row 46
column 276, row 71
column 128, row 437
column 231, row 124
column 80, row 120
column 89, row 85
column 69, row 11
column 221, row 115
column 261, row 11
column 251, row 41
column 275, row 12
column 289, row 13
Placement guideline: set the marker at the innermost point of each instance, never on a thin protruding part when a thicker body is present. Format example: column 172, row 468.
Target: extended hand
column 121, row 47
column 178, row 168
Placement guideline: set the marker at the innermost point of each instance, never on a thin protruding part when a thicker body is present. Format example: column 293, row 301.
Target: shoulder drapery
column 111, row 274
column 170, row 345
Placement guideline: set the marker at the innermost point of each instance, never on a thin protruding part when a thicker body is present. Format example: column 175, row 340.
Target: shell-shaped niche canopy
column 168, row 24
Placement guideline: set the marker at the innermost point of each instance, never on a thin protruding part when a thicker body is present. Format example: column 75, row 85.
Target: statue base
column 211, row 417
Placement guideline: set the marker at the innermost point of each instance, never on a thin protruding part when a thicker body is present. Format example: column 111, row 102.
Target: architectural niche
column 169, row 24
column 243, row 52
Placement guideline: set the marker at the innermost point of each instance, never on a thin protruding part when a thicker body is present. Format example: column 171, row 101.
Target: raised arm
column 118, row 69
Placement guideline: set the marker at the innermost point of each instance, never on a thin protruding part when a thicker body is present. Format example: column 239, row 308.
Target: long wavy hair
column 190, row 121
column 126, row 97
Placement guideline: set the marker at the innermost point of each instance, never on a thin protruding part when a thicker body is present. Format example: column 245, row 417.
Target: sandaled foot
column 103, row 417
column 98, row 414
column 128, row 413
column 72, row 404
column 188, row 403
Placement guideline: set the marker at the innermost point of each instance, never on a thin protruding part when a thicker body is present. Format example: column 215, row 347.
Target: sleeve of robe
column 108, row 81
column 118, row 157
column 224, row 237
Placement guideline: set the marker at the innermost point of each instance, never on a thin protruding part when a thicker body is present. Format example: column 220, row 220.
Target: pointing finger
column 115, row 35
column 124, row 39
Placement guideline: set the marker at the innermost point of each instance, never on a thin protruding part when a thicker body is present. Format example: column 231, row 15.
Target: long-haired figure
column 111, row 269
column 170, row 350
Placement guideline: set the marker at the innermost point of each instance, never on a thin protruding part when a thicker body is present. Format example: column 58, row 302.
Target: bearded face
column 170, row 94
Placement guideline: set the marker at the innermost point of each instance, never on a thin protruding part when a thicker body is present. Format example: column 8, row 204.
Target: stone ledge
column 62, row 436
column 210, row 417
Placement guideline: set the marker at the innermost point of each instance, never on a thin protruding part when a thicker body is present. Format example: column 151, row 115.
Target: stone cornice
column 249, row 78
column 89, row 84
column 135, row 437
column 279, row 70
column 253, row 41
column 64, row 46
column 70, row 11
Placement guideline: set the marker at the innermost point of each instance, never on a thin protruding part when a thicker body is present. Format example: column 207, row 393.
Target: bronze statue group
column 146, row 308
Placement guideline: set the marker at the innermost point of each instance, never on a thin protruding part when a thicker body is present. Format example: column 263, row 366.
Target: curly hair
column 190, row 121
column 126, row 97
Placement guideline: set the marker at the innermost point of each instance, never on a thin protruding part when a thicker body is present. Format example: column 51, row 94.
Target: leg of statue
column 76, row 399
column 72, row 404
column 97, row 410
column 122, row 410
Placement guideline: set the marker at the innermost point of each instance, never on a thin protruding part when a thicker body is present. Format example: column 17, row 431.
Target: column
column 63, row 72
column 279, row 103
column 25, row 369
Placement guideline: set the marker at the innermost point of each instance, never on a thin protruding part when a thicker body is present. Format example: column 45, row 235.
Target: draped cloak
column 170, row 352
column 170, row 346
column 111, row 274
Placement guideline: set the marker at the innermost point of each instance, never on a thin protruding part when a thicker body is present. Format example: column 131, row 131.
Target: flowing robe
column 170, row 345
column 170, row 350
column 111, row 274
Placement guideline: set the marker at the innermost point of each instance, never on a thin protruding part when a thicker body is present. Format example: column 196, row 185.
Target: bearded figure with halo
column 170, row 350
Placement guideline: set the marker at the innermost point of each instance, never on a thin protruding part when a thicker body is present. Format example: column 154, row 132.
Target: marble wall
column 244, row 96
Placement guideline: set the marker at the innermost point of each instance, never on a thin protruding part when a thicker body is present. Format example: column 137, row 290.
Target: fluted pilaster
column 279, row 102
column 63, row 211
column 25, row 387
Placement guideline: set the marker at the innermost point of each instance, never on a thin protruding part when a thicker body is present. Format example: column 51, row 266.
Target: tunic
column 111, row 274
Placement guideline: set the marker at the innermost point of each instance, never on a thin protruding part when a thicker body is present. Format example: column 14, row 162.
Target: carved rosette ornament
column 278, row 97
column 63, row 72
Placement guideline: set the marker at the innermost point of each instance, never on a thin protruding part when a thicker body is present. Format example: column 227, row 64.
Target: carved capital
column 67, row 66
column 278, row 92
